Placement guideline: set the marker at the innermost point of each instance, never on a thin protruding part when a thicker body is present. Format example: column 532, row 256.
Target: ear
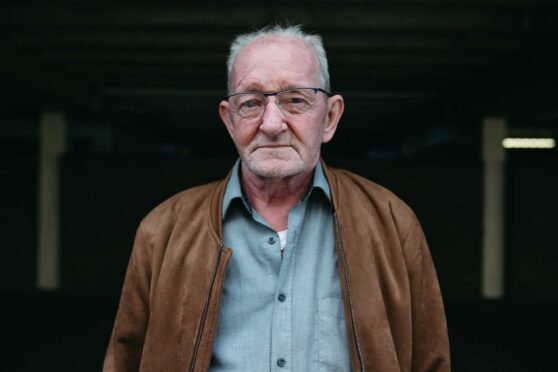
column 335, row 108
column 226, row 117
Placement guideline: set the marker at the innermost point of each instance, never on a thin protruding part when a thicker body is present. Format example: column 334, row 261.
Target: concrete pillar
column 493, row 252
column 52, row 146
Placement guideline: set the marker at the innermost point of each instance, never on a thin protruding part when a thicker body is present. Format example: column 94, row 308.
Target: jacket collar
column 326, row 181
column 234, row 189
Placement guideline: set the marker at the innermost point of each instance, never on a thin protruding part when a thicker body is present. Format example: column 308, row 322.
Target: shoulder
column 181, row 206
column 354, row 187
column 366, row 200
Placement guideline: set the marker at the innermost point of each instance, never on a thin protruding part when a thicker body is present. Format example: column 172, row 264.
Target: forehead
column 275, row 63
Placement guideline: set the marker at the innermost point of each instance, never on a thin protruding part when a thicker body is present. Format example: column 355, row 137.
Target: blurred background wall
column 108, row 109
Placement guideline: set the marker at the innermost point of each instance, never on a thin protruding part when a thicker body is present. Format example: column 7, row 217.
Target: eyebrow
column 258, row 88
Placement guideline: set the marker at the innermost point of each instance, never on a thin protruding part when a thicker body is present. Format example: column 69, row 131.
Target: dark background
column 139, row 85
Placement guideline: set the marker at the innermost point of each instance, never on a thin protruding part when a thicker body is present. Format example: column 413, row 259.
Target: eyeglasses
column 294, row 101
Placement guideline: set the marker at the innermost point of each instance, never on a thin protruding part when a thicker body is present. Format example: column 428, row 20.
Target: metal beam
column 493, row 254
column 52, row 137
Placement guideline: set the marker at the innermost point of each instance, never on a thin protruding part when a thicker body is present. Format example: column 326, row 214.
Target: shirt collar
column 234, row 188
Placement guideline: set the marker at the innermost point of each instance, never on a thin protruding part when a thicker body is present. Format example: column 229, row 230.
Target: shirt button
column 282, row 297
column 271, row 240
column 281, row 362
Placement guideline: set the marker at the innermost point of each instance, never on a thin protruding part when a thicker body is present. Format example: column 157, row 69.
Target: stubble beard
column 296, row 161
column 274, row 167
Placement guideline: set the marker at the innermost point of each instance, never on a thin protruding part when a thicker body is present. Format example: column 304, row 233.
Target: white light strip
column 529, row 143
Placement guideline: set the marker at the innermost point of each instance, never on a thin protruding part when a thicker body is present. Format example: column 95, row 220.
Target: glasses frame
column 266, row 95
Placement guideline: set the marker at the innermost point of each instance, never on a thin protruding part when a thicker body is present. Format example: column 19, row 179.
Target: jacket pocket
column 333, row 353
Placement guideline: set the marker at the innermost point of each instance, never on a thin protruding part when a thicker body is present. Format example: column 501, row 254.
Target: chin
column 275, row 168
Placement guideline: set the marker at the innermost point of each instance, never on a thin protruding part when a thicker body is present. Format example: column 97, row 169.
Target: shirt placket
column 282, row 331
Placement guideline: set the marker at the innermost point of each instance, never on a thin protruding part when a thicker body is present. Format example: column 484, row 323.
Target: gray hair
column 295, row 32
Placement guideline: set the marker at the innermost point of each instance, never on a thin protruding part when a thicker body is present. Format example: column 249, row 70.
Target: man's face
column 277, row 144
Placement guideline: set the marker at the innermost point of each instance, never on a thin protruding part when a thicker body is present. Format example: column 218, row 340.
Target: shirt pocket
column 333, row 353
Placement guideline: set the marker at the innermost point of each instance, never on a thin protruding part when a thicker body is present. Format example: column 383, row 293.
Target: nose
column 273, row 119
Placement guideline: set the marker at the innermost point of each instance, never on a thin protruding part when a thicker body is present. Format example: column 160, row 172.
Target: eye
column 250, row 102
column 248, row 105
column 295, row 100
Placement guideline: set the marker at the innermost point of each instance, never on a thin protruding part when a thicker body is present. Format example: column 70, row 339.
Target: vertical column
column 494, row 131
column 52, row 140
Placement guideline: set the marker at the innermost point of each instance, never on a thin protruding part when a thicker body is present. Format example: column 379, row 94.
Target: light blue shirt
column 281, row 313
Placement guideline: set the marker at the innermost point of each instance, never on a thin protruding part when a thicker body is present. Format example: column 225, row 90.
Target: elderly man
column 330, row 271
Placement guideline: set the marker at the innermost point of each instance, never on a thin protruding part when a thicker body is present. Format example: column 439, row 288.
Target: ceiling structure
column 425, row 70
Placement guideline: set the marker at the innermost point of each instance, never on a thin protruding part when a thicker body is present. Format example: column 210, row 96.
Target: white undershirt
column 282, row 238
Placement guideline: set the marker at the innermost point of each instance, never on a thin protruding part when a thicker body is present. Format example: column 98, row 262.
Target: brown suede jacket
column 170, row 300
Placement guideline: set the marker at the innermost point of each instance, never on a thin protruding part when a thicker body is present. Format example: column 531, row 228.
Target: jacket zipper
column 205, row 310
column 348, row 287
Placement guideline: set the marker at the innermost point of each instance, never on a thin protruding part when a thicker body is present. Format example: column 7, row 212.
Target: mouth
column 278, row 146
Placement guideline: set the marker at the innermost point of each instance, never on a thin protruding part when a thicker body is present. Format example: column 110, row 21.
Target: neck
column 273, row 198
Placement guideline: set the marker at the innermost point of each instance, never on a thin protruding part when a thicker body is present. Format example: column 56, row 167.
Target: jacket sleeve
column 127, row 339
column 430, row 350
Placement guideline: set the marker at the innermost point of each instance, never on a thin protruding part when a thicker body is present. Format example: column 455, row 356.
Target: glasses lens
column 297, row 101
column 248, row 104
column 291, row 101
